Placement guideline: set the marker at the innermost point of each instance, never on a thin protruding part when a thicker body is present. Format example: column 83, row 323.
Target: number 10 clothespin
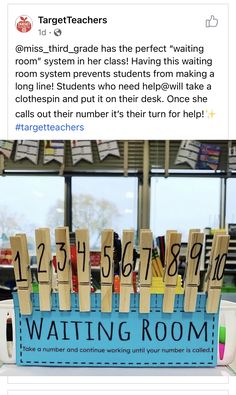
column 145, row 271
column 171, row 271
column 215, row 281
column 22, row 273
column 107, row 270
column 83, row 268
column 63, row 267
column 207, row 276
column 44, row 261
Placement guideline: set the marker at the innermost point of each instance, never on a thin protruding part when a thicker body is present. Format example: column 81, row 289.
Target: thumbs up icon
column 212, row 22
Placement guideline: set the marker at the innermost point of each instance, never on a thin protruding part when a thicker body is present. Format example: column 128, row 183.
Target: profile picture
column 24, row 24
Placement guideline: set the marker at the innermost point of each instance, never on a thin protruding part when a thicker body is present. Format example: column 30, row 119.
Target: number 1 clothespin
column 27, row 257
column 22, row 275
column 126, row 270
column 44, row 260
column 107, row 270
column 215, row 282
column 63, row 267
column 171, row 271
column 194, row 252
column 145, row 271
column 83, row 268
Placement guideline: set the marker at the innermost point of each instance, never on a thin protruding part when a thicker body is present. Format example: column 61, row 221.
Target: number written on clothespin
column 44, row 261
column 167, row 244
column 207, row 276
column 26, row 255
column 63, row 267
column 171, row 273
column 83, row 269
column 126, row 270
column 192, row 275
column 107, row 269
column 145, row 269
column 22, row 275
column 217, row 273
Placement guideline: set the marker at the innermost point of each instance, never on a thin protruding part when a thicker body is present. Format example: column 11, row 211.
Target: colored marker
column 222, row 338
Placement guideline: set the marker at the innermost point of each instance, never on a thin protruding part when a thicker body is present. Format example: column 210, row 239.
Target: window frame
column 159, row 173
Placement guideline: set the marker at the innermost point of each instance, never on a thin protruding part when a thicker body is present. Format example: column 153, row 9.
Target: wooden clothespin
column 126, row 270
column 63, row 267
column 21, row 270
column 207, row 276
column 168, row 232
column 171, row 274
column 27, row 257
column 145, row 269
column 44, row 260
column 217, row 273
column 192, row 275
column 107, row 270
column 83, row 268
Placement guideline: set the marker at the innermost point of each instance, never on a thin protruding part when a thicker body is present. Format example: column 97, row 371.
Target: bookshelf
column 231, row 256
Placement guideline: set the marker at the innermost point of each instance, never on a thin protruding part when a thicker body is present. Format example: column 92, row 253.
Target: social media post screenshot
column 116, row 126
column 117, row 70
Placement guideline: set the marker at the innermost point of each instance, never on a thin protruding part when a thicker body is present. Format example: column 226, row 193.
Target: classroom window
column 27, row 203
column 230, row 201
column 182, row 203
column 104, row 202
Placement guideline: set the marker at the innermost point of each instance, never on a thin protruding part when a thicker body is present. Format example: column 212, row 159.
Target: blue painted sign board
column 157, row 339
